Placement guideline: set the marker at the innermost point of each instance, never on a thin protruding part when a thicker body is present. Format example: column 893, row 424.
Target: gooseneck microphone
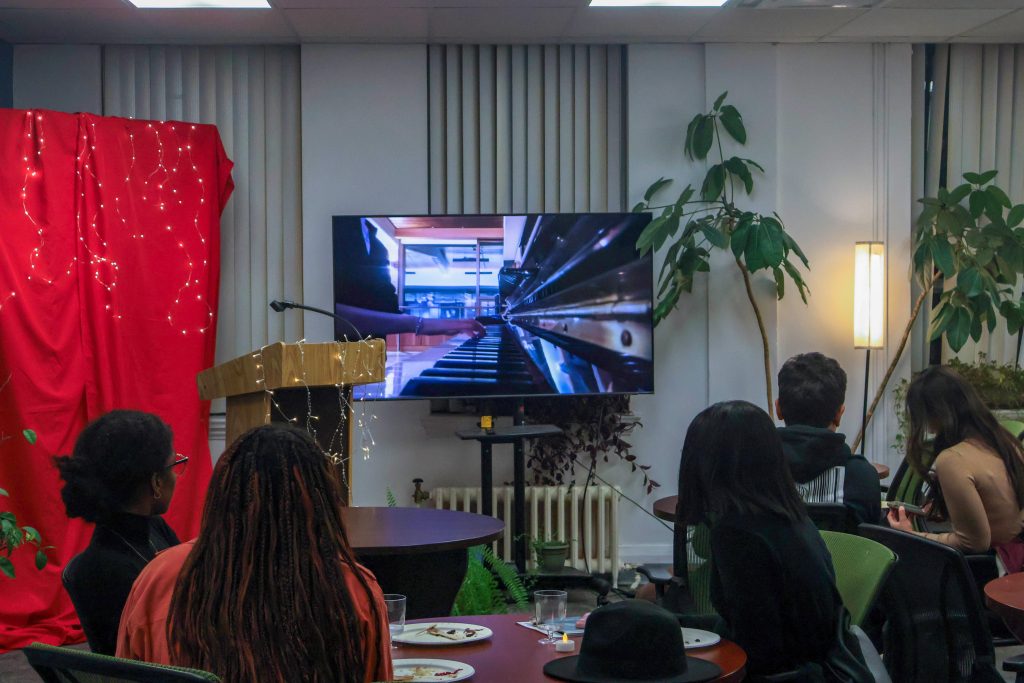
column 281, row 306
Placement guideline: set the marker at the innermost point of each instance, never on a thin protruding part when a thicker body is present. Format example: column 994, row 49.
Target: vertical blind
column 982, row 88
column 252, row 95
column 517, row 129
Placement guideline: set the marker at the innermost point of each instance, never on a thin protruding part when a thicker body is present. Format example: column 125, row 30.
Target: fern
column 490, row 585
column 389, row 496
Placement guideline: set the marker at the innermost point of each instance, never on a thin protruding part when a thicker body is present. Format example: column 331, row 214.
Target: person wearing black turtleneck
column 121, row 476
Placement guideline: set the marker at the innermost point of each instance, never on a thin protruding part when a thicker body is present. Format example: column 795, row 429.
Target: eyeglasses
column 179, row 464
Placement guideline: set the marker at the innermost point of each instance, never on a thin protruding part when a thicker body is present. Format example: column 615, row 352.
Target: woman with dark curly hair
column 120, row 476
column 270, row 590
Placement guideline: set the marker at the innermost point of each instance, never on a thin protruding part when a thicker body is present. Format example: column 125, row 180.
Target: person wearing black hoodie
column 812, row 396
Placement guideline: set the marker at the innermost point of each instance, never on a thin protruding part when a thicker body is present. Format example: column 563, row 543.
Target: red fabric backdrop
column 109, row 270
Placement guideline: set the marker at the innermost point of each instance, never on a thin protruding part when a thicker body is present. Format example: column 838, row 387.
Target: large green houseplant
column 698, row 222
column 972, row 238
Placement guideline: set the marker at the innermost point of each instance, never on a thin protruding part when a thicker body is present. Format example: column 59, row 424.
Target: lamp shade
column 869, row 295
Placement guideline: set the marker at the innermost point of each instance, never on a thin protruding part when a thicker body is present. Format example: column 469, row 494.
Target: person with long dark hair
column 121, row 476
column 978, row 480
column 772, row 581
column 270, row 590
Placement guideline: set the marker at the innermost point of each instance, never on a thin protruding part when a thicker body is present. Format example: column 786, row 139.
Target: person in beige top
column 978, row 476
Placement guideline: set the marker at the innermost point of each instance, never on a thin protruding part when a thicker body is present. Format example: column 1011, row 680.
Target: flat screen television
column 477, row 306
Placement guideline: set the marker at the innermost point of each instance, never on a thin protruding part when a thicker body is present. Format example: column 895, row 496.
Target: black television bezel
column 505, row 397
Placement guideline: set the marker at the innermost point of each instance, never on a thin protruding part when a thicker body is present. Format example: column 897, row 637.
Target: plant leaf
column 987, row 176
column 703, row 137
column 942, row 253
column 1016, row 215
column 714, row 183
column 3, row 492
column 973, row 178
column 715, row 236
column 7, row 567
column 772, row 249
column 739, row 169
column 977, row 203
column 30, row 436
column 732, row 121
column 969, row 282
column 959, row 193
column 780, row 283
column 640, row 206
column 721, row 98
column 998, row 195
column 655, row 187
column 41, row 560
column 31, row 534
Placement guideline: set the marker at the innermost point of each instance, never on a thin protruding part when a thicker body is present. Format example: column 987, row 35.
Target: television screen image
column 492, row 305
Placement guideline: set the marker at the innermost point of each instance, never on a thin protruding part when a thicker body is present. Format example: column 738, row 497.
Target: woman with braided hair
column 270, row 590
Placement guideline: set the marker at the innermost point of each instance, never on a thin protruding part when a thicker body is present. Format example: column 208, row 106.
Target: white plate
column 425, row 670
column 420, row 634
column 694, row 638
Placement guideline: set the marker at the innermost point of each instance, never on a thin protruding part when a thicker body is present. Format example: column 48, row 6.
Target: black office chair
column 65, row 665
column 832, row 517
column 936, row 630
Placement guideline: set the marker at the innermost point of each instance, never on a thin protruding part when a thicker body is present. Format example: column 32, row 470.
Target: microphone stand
column 281, row 306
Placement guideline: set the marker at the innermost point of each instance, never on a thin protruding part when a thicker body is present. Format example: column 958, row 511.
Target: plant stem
column 764, row 338
column 925, row 293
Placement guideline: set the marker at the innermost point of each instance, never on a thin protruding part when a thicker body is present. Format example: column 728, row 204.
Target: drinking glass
column 549, row 613
column 396, row 614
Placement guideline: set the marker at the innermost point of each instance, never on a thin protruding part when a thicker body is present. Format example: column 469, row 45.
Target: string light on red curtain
column 35, row 145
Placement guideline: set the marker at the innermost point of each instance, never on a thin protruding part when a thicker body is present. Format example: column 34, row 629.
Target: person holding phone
column 978, row 475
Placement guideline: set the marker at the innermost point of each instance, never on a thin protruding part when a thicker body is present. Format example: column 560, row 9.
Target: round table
column 418, row 552
column 665, row 508
column 1005, row 596
column 513, row 655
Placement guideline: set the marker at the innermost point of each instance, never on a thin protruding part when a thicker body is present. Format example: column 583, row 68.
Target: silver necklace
column 134, row 549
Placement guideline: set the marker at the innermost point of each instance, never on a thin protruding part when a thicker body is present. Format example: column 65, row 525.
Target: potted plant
column 14, row 535
column 694, row 224
column 593, row 428
column 970, row 238
column 551, row 555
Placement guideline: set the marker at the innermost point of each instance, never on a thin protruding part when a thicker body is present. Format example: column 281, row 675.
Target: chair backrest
column 832, row 517
column 692, row 559
column 862, row 566
column 935, row 630
column 67, row 665
column 1015, row 427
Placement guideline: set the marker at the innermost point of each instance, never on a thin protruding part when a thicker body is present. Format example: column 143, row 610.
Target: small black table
column 514, row 435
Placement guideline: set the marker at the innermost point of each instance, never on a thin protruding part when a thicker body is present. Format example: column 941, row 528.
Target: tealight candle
column 565, row 645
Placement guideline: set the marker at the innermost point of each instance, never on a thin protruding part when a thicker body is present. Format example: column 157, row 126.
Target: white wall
column 59, row 77
column 830, row 123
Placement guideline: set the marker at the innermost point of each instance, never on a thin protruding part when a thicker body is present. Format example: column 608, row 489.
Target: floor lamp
column 868, row 308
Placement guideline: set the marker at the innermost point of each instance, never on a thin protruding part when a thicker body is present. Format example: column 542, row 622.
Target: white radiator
column 553, row 512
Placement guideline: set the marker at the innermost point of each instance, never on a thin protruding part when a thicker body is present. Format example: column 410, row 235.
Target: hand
column 899, row 519
column 452, row 326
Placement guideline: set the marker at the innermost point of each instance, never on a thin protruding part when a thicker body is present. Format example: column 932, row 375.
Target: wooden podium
column 291, row 382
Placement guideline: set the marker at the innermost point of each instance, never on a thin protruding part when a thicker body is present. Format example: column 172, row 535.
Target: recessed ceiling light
column 657, row 3
column 201, row 4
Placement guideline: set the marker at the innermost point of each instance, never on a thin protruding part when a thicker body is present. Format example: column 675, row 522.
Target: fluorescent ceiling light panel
column 657, row 3
column 201, row 4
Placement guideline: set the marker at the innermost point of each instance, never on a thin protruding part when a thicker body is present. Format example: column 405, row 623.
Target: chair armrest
column 658, row 574
column 1014, row 664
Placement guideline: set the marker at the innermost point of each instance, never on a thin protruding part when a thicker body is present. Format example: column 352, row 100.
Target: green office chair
column 862, row 566
column 1015, row 427
column 67, row 665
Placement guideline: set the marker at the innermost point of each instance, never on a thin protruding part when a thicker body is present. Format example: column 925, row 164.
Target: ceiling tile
column 220, row 26
column 915, row 24
column 772, row 25
column 434, row 4
column 499, row 24
column 1009, row 28
column 81, row 26
column 953, row 4
column 359, row 24
column 650, row 23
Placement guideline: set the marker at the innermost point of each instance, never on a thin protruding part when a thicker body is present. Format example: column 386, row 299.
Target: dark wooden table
column 513, row 655
column 1005, row 596
column 418, row 552
column 665, row 508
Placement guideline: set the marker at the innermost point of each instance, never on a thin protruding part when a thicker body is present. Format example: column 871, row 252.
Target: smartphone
column 911, row 509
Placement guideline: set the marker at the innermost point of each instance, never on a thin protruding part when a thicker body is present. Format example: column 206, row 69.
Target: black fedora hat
column 632, row 640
